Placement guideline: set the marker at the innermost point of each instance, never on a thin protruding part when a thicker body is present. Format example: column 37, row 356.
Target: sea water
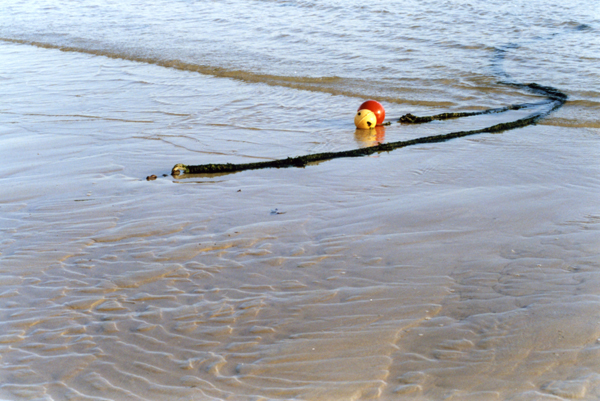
column 465, row 270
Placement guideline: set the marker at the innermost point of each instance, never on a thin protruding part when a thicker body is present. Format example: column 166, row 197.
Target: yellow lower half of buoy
column 365, row 119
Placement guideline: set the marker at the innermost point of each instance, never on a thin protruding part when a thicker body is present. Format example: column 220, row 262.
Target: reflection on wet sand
column 370, row 137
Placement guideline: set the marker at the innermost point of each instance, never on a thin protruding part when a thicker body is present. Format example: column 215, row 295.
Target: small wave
column 333, row 85
column 296, row 82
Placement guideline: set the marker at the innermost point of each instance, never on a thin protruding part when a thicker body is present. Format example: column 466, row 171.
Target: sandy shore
column 465, row 269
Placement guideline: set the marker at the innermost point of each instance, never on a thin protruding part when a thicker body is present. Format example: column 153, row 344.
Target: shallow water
column 461, row 270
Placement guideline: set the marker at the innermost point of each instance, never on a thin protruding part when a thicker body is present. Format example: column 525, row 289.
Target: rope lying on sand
column 555, row 99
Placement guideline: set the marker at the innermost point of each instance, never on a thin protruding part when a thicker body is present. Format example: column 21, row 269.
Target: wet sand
column 460, row 270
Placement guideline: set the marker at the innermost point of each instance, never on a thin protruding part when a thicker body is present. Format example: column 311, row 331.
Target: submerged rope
column 555, row 99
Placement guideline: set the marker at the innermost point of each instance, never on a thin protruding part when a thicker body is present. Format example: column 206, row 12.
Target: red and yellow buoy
column 370, row 114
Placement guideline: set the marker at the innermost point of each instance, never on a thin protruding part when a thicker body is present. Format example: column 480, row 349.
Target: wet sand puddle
column 462, row 270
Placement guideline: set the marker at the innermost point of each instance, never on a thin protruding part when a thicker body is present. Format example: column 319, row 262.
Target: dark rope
column 555, row 99
column 552, row 94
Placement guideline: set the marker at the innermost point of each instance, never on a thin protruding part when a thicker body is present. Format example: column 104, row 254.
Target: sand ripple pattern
column 466, row 270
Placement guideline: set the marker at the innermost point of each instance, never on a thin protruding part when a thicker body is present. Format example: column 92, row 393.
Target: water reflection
column 370, row 137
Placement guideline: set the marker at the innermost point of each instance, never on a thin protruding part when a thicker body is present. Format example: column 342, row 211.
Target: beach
column 466, row 269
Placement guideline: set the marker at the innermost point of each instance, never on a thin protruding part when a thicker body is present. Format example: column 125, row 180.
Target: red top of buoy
column 376, row 108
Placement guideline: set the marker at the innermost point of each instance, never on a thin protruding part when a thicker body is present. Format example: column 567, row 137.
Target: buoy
column 376, row 108
column 365, row 119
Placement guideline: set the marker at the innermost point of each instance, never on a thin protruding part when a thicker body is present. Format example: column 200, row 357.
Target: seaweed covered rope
column 555, row 99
